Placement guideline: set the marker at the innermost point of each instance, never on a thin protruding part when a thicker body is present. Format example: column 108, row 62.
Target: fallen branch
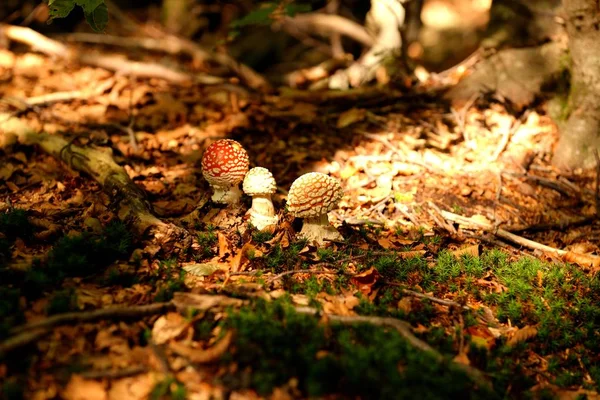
column 583, row 260
column 327, row 24
column 99, row 164
column 433, row 299
column 175, row 45
column 404, row 329
column 29, row 333
column 117, row 64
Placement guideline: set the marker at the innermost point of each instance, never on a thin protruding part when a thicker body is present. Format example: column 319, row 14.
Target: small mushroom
column 260, row 185
column 311, row 197
column 224, row 165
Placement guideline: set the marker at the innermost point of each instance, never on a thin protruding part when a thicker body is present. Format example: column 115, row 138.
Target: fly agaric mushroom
column 260, row 185
column 224, row 165
column 311, row 197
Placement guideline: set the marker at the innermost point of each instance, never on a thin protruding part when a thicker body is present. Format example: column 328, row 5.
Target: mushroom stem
column 262, row 204
column 317, row 229
column 262, row 212
column 226, row 194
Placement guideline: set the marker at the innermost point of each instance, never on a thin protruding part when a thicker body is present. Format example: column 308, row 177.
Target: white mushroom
column 260, row 185
column 224, row 165
column 311, row 197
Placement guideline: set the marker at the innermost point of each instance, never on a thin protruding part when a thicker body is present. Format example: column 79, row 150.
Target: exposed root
column 133, row 208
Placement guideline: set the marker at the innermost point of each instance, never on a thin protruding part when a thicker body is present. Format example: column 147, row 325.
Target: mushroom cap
column 259, row 181
column 225, row 163
column 313, row 194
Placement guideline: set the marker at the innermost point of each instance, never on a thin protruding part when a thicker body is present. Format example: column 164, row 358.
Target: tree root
column 133, row 207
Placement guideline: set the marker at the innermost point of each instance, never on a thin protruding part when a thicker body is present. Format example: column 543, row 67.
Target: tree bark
column 580, row 136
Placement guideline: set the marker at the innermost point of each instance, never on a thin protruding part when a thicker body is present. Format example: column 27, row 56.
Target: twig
column 559, row 225
column 444, row 302
column 581, row 259
column 25, row 334
column 404, row 329
column 329, row 23
column 301, row 271
column 507, row 135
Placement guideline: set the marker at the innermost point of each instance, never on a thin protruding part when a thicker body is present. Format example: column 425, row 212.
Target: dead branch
column 404, row 329
column 327, row 24
column 583, row 260
column 175, row 45
column 99, row 164
column 117, row 64
column 29, row 333
column 433, row 299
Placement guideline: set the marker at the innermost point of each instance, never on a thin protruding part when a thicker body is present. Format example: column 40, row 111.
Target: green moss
column 206, row 241
column 62, row 301
column 12, row 390
column 169, row 279
column 14, row 223
column 261, row 237
column 10, row 310
column 169, row 388
column 86, row 254
column 273, row 344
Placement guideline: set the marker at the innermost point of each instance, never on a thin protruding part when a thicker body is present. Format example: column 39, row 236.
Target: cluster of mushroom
column 225, row 164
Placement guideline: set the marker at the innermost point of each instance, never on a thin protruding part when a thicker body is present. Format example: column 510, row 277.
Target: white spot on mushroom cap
column 313, row 194
column 259, row 181
column 225, row 163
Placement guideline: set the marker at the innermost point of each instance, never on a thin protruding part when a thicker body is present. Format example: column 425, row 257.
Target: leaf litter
column 407, row 165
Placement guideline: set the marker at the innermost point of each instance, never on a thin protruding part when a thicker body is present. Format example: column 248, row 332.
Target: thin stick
column 51, row 47
column 433, row 299
column 29, row 333
column 404, row 329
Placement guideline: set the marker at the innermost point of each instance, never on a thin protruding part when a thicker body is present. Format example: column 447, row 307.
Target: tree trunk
column 580, row 135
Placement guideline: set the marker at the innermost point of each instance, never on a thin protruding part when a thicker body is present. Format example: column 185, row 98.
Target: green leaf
column 60, row 8
column 261, row 16
column 95, row 11
column 98, row 19
column 292, row 9
column 89, row 6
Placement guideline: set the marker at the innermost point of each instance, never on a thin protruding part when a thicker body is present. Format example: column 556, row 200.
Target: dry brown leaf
column 79, row 388
column 203, row 356
column 405, row 304
column 481, row 336
column 583, row 260
column 365, row 280
column 462, row 358
column 240, row 260
column 411, row 254
column 386, row 243
column 469, row 250
column 223, row 244
column 168, row 327
column 521, row 335
column 183, row 301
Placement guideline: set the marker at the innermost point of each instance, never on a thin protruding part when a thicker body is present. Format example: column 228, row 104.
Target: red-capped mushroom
column 260, row 185
column 224, row 165
column 311, row 197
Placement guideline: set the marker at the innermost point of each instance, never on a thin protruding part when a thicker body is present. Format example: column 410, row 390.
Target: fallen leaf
column 481, row 336
column 350, row 117
column 205, row 269
column 468, row 250
column 521, row 335
column 223, row 244
column 168, row 327
column 79, row 388
column 203, row 356
column 365, row 280
column 462, row 358
column 405, row 304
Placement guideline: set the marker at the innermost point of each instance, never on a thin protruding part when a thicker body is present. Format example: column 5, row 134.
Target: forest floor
column 428, row 296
